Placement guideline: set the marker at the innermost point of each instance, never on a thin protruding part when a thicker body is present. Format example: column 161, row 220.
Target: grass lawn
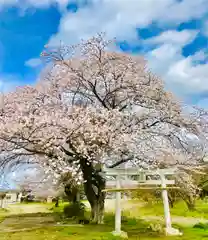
column 92, row 232
column 180, row 209
column 43, row 226
column 3, row 214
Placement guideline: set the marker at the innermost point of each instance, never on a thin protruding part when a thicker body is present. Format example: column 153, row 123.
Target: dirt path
column 110, row 205
column 21, row 218
column 27, row 222
column 15, row 222
column 186, row 221
column 27, row 208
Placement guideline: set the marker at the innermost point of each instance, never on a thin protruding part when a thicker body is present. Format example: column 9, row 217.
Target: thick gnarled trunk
column 190, row 202
column 97, row 209
column 71, row 193
column 94, row 184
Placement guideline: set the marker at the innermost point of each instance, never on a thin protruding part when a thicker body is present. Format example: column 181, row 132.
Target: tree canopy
column 93, row 107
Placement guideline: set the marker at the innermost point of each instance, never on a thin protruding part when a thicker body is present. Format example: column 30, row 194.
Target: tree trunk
column 57, row 202
column 203, row 194
column 97, row 210
column 71, row 193
column 94, row 184
column 171, row 201
column 190, row 202
column 171, row 198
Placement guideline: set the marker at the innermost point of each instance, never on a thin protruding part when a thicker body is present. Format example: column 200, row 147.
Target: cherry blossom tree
column 71, row 188
column 33, row 181
column 94, row 107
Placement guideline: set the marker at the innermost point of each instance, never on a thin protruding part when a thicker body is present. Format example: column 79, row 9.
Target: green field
column 180, row 210
column 23, row 222
column 95, row 232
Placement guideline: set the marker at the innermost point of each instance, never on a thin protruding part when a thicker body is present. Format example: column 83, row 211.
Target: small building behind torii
column 9, row 196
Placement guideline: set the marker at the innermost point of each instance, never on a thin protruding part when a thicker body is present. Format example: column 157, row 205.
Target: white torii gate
column 120, row 185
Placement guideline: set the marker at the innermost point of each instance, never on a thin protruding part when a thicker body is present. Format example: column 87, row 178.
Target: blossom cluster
column 98, row 106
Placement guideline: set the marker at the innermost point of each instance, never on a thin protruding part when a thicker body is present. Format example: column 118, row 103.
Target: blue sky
column 171, row 34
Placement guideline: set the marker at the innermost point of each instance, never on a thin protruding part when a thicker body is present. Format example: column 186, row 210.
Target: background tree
column 187, row 179
column 2, row 198
column 33, row 183
column 72, row 190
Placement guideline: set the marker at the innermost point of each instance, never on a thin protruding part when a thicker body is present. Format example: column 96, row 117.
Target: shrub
column 201, row 225
column 74, row 210
column 156, row 227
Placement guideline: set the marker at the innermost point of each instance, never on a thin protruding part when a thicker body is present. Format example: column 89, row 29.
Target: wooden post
column 118, row 207
column 165, row 202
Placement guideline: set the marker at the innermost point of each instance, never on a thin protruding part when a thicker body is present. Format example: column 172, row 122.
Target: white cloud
column 181, row 74
column 200, row 55
column 120, row 17
column 182, row 11
column 34, row 3
column 45, row 3
column 164, row 52
column 7, row 2
column 33, row 62
column 192, row 78
column 180, row 38
column 184, row 75
column 205, row 28
column 203, row 103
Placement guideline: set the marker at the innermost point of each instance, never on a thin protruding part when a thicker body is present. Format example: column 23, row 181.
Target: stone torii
column 120, row 185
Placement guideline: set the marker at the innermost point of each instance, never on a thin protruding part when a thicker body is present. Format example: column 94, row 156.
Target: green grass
column 58, row 209
column 137, row 229
column 3, row 214
column 180, row 209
